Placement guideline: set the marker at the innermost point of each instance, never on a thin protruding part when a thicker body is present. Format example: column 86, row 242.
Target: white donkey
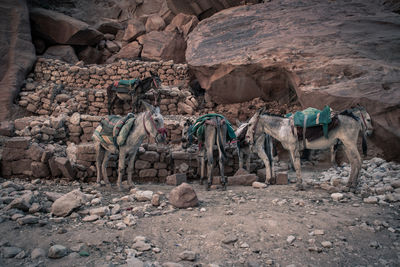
column 282, row 129
column 147, row 123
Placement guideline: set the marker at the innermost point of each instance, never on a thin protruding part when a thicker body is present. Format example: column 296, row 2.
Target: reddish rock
column 20, row 166
column 35, row 152
column 62, row 29
column 163, row 46
column 39, row 169
column 148, row 173
column 108, row 26
column 134, row 29
column 90, row 55
column 62, row 52
column 129, row 51
column 330, row 63
column 176, row 179
column 184, row 23
column 17, row 53
column 10, row 154
column 64, row 165
column 7, row 128
column 244, row 179
column 155, row 23
column 183, row 196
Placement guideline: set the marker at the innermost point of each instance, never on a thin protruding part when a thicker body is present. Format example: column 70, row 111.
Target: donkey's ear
column 147, row 106
column 156, row 109
column 238, row 122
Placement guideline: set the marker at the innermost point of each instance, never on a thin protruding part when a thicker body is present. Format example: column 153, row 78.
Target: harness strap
column 304, row 131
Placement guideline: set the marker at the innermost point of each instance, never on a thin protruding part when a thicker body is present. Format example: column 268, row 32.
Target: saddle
column 114, row 129
column 125, row 86
column 199, row 126
column 315, row 132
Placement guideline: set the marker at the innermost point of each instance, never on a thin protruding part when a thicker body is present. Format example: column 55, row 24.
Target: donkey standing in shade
column 215, row 133
column 147, row 123
column 132, row 91
column 350, row 124
column 263, row 147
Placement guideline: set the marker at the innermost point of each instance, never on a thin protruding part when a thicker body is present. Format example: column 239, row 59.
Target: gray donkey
column 215, row 133
column 350, row 125
column 263, row 147
column 147, row 123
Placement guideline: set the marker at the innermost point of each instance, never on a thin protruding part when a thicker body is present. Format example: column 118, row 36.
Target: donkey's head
column 252, row 125
column 186, row 133
column 153, row 123
column 155, row 80
column 365, row 119
column 241, row 130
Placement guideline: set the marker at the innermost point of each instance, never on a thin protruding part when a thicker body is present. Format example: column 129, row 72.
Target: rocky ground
column 243, row 226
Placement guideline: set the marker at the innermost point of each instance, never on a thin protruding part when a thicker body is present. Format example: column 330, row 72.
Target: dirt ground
column 242, row 226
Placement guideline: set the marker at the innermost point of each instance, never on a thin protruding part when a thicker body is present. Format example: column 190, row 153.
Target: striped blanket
column 114, row 130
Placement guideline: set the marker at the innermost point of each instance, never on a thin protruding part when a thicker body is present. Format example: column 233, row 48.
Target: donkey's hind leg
column 100, row 151
column 209, row 146
column 295, row 156
column 202, row 165
column 121, row 167
column 355, row 162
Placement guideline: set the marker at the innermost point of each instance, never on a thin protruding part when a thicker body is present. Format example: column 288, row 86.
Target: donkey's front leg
column 100, row 151
column 261, row 153
column 121, row 167
column 104, row 167
column 131, row 166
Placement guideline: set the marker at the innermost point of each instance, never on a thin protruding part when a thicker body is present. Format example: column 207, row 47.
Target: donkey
column 215, row 132
column 147, row 123
column 139, row 87
column 265, row 149
column 283, row 130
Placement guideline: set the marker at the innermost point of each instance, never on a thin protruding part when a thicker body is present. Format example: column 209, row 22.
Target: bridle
column 161, row 131
column 154, row 82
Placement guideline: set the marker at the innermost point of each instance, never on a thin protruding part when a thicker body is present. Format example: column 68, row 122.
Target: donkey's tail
column 268, row 147
column 220, row 145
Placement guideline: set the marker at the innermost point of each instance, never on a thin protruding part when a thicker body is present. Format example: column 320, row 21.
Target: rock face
column 328, row 53
column 17, row 53
column 62, row 29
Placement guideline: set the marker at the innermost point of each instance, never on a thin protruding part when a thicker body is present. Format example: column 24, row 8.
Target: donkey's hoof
column 97, row 185
column 224, row 187
column 299, row 187
column 208, row 186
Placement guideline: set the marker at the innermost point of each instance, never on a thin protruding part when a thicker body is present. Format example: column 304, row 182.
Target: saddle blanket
column 125, row 86
column 312, row 117
column 199, row 127
column 114, row 129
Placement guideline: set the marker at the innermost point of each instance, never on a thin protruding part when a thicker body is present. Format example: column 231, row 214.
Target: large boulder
column 64, row 205
column 328, row 53
column 184, row 23
column 17, row 53
column 129, row 51
column 58, row 28
column 163, row 46
column 183, row 196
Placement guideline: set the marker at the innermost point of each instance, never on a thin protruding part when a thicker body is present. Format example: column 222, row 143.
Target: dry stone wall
column 68, row 102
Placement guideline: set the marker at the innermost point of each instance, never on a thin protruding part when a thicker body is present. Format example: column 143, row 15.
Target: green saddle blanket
column 311, row 117
column 129, row 83
column 199, row 128
column 114, row 129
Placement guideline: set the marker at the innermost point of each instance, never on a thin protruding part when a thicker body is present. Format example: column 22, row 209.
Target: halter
column 161, row 131
column 154, row 82
column 365, row 124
